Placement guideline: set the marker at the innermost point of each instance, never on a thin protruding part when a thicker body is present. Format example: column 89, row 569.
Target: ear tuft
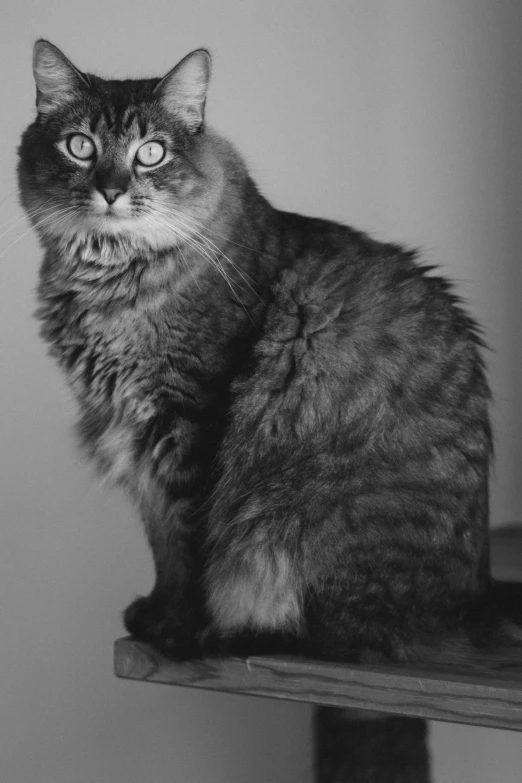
column 183, row 90
column 57, row 80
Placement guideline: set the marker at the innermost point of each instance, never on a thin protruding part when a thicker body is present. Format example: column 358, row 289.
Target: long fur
column 299, row 412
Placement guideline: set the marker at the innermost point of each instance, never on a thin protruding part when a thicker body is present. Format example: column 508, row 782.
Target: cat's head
column 118, row 159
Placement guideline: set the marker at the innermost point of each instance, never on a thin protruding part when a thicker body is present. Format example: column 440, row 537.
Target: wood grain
column 484, row 689
column 487, row 697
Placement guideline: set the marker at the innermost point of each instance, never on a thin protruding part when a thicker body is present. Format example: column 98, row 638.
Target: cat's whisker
column 238, row 244
column 207, row 248
column 155, row 222
column 187, row 265
column 46, row 218
column 234, row 266
column 168, row 231
column 217, row 234
column 198, row 227
column 213, row 247
column 13, row 222
column 56, row 218
column 157, row 227
column 176, row 232
column 21, row 215
column 9, row 195
column 51, row 219
column 185, row 262
column 190, row 240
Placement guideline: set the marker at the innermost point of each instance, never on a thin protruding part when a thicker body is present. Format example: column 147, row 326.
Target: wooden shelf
column 490, row 697
column 481, row 691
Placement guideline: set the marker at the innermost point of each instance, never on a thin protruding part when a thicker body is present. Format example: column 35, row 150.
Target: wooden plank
column 487, row 697
column 484, row 690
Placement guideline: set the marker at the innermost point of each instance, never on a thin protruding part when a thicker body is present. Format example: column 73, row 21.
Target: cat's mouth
column 111, row 215
column 114, row 211
column 112, row 220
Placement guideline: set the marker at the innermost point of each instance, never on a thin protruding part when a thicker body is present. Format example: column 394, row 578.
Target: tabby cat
column 298, row 412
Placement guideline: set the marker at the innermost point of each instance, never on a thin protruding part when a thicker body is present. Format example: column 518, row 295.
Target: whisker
column 189, row 269
column 11, row 223
column 51, row 219
column 12, row 193
column 195, row 237
column 19, row 218
column 191, row 240
column 212, row 247
column 234, row 266
column 197, row 246
column 217, row 234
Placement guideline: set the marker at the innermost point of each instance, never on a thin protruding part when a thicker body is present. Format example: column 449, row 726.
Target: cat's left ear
column 183, row 90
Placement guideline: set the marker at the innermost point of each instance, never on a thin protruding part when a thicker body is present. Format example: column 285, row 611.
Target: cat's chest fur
column 114, row 369
column 144, row 371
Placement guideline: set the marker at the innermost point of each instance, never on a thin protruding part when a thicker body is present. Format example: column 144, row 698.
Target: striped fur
column 299, row 412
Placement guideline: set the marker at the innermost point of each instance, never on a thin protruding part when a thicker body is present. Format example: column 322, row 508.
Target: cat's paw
column 152, row 619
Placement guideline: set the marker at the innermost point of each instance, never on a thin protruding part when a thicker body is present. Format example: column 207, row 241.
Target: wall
column 399, row 116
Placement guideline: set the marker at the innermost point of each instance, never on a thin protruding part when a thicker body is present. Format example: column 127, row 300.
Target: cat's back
column 360, row 331
column 344, row 285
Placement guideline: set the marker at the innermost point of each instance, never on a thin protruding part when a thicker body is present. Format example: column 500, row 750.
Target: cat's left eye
column 151, row 153
column 81, row 146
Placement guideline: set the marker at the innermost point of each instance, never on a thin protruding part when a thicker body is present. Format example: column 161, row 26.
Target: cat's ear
column 57, row 80
column 183, row 90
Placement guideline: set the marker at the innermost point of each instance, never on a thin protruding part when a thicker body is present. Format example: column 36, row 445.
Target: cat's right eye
column 81, row 146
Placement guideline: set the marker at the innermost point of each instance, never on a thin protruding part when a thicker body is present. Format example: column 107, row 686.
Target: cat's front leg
column 166, row 473
column 172, row 616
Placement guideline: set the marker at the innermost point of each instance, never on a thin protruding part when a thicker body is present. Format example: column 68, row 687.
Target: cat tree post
column 353, row 746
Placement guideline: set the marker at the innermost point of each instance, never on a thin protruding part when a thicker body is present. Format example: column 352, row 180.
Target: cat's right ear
column 57, row 80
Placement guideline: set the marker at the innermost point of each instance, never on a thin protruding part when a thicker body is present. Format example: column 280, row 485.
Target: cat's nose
column 111, row 194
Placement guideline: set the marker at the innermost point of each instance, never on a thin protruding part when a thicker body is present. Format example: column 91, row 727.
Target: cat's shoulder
column 348, row 275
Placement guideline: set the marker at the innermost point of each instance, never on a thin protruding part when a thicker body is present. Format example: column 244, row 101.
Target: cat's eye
column 151, row 153
column 81, row 146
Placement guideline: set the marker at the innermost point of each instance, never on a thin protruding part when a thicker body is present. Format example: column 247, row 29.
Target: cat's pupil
column 150, row 153
column 80, row 146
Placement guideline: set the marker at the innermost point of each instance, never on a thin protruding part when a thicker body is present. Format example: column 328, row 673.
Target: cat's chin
column 106, row 247
column 107, row 224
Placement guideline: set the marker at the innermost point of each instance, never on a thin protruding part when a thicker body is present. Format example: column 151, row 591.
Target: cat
column 298, row 412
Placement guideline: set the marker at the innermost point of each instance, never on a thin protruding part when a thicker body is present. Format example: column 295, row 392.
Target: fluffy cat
column 299, row 412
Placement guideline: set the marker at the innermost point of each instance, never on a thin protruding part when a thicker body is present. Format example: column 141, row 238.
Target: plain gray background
column 402, row 117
